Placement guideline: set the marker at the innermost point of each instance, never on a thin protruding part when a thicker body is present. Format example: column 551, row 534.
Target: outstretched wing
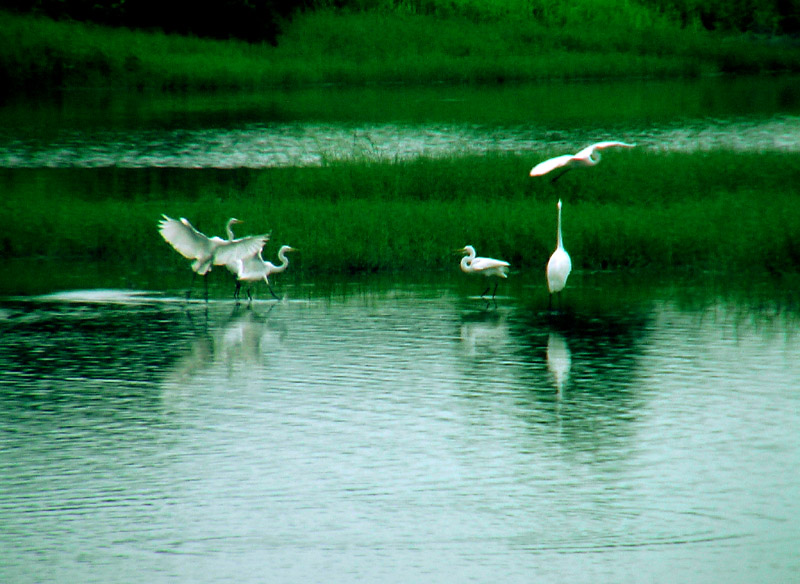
column 602, row 145
column 551, row 164
column 239, row 249
column 186, row 240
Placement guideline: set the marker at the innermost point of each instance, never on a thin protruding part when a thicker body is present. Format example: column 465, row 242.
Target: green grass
column 500, row 43
column 718, row 211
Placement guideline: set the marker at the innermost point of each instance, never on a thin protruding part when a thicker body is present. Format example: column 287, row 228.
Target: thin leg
column 485, row 291
column 559, row 175
column 495, row 289
column 236, row 292
column 250, row 293
column 191, row 285
column 275, row 296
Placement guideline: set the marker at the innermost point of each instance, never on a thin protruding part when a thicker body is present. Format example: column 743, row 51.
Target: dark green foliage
column 249, row 20
column 496, row 42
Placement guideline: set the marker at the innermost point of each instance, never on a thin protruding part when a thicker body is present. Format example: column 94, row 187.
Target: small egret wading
column 253, row 268
column 487, row 267
column 208, row 251
column 589, row 156
column 559, row 266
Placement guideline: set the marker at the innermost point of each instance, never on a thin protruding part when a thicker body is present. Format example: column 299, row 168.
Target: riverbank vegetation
column 707, row 211
column 413, row 41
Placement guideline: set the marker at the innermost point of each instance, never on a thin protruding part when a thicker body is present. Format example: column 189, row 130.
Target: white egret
column 483, row 266
column 208, row 251
column 559, row 266
column 589, row 156
column 253, row 268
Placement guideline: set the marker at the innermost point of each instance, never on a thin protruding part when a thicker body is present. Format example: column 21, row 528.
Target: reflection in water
column 399, row 434
column 558, row 360
column 484, row 332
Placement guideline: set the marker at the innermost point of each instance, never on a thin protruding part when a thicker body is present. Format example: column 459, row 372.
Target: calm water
column 403, row 433
column 311, row 127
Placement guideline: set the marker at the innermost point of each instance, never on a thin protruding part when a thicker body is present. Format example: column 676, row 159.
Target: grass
column 717, row 211
column 498, row 43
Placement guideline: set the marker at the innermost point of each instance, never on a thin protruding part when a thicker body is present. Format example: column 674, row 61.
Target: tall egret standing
column 559, row 266
column 207, row 251
column 253, row 268
column 483, row 266
column 589, row 156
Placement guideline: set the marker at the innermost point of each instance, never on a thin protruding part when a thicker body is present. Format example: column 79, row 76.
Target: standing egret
column 559, row 266
column 253, row 268
column 483, row 266
column 589, row 156
column 207, row 251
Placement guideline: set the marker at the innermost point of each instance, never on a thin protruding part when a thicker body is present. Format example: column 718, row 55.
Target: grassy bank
column 646, row 210
column 385, row 46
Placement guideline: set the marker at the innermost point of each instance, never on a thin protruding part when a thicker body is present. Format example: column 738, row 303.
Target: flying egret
column 253, row 268
column 559, row 266
column 589, row 156
column 207, row 251
column 483, row 266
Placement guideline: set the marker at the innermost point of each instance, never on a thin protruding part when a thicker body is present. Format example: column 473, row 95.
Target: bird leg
column 275, row 296
column 236, row 292
column 191, row 285
column 485, row 291
column 250, row 293
column 495, row 289
column 560, row 174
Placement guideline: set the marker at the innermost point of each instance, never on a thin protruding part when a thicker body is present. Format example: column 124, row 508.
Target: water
column 316, row 126
column 396, row 432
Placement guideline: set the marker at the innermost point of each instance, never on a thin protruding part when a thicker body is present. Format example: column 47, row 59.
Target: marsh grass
column 716, row 211
column 383, row 46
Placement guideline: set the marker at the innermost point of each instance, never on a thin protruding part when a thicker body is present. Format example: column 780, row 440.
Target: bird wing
column 551, row 164
column 186, row 240
column 483, row 264
column 251, row 267
column 602, row 145
column 239, row 249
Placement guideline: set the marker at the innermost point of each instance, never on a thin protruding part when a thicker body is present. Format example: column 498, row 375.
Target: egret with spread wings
column 207, row 251
column 589, row 156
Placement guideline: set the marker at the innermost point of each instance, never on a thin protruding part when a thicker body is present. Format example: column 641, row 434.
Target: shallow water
column 400, row 432
column 316, row 126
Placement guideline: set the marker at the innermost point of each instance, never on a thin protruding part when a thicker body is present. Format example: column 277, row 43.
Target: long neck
column 467, row 260
column 229, row 229
column 284, row 261
column 560, row 242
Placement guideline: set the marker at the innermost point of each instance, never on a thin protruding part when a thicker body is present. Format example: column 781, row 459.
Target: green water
column 394, row 431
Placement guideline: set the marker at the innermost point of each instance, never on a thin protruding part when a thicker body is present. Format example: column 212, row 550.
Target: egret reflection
column 559, row 360
column 484, row 332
